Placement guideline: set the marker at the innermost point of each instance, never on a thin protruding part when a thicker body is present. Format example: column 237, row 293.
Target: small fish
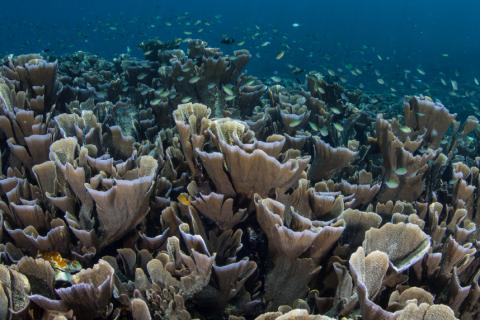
column 276, row 79
column 295, row 123
column 475, row 80
column 227, row 90
column 320, row 90
column 194, row 80
column 211, row 86
column 401, row 171
column 338, row 126
column 392, row 183
column 186, row 99
column 241, row 43
column 324, row 132
column 454, row 85
column 60, row 264
column 313, row 126
column 280, row 55
column 420, row 71
column 443, row 81
column 230, row 98
column 183, row 199
column 335, row 110
column 266, row 43
column 381, row 81
column 295, row 25
column 406, row 129
column 227, row 40
column 331, row 72
column 54, row 258
column 297, row 71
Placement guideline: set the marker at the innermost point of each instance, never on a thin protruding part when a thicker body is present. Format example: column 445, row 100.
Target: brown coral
column 172, row 187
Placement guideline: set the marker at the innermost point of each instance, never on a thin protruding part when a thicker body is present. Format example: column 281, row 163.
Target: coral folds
column 180, row 187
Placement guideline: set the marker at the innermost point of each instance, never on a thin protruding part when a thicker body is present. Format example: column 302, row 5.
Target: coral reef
column 180, row 187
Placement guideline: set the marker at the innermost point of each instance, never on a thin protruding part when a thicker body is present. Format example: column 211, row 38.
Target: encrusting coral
column 180, row 187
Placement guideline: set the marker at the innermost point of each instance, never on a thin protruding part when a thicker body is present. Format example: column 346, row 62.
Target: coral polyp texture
column 180, row 187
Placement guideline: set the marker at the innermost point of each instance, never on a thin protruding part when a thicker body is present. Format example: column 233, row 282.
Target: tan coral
column 187, row 275
column 363, row 194
column 399, row 300
column 471, row 124
column 407, row 185
column 286, row 245
column 40, row 274
column 5, row 95
column 121, row 146
column 294, row 314
column 405, row 244
column 63, row 150
column 38, row 77
column 14, row 293
column 219, row 209
column 357, row 223
column 328, row 160
column 229, row 130
column 425, row 311
column 88, row 297
column 197, row 269
column 140, row 310
column 250, row 173
column 124, row 205
column 27, row 136
column 369, row 269
column 190, row 122
column 423, row 113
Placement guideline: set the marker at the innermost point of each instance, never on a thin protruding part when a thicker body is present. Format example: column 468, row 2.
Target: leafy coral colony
column 181, row 187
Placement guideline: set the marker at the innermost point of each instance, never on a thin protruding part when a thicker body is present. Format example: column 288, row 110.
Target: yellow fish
column 183, row 199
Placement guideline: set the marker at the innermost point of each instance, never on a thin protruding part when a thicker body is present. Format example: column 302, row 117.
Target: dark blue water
column 382, row 38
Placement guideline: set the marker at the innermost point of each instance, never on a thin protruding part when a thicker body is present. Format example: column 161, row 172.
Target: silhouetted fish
column 227, row 40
